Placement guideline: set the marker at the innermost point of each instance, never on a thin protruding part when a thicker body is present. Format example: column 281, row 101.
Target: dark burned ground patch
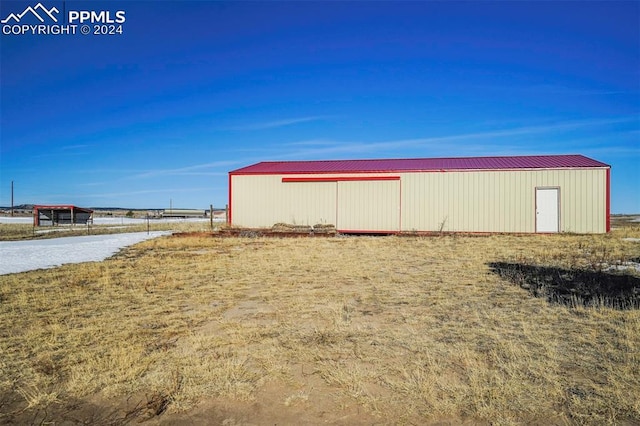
column 130, row 410
column 573, row 287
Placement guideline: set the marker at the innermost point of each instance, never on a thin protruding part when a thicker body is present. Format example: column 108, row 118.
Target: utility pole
column 11, row 198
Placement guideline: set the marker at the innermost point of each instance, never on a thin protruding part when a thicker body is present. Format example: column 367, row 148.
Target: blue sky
column 192, row 90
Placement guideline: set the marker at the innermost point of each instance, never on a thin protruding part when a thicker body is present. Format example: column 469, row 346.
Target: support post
column 211, row 216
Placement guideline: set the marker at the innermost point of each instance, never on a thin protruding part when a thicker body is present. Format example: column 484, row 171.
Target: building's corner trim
column 230, row 201
column 608, row 207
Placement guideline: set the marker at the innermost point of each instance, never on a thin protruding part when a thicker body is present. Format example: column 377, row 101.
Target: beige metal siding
column 262, row 201
column 369, row 206
column 309, row 203
column 501, row 201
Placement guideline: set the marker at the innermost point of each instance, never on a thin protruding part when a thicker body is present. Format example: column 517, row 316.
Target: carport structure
column 61, row 215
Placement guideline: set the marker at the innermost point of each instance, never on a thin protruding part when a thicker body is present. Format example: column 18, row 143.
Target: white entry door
column 547, row 210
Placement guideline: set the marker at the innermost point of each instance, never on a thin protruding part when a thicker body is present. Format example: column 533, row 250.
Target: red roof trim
column 61, row 207
column 422, row 165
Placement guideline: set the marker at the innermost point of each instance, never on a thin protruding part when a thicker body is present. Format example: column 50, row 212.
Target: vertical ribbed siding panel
column 508, row 199
column 471, row 210
column 444, row 212
column 598, row 215
column 600, row 201
column 473, row 215
column 461, row 202
column 308, row 203
column 475, row 206
column 447, row 215
column 251, row 194
column 483, row 205
column 502, row 201
column 602, row 216
column 514, row 196
column 369, row 206
column 469, row 202
column 571, row 205
column 492, row 188
column 586, row 213
column 581, row 207
column 264, row 200
column 498, row 210
column 527, row 213
column 596, row 204
column 590, row 185
column 518, row 216
column 493, row 200
column 525, row 217
column 582, row 199
column 421, row 207
column 591, row 208
column 417, row 201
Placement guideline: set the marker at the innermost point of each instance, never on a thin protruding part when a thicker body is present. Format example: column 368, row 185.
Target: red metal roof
column 62, row 207
column 421, row 164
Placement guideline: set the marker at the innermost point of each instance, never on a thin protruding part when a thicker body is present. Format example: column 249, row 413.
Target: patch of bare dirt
column 275, row 404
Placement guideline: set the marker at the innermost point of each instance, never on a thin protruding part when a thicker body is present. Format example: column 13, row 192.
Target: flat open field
column 339, row 330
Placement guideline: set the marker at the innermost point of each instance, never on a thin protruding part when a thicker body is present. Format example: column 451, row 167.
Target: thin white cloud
column 628, row 151
column 557, row 89
column 280, row 123
column 103, row 183
column 314, row 142
column 65, row 151
column 74, row 147
column 148, row 191
column 188, row 170
column 465, row 142
column 194, row 170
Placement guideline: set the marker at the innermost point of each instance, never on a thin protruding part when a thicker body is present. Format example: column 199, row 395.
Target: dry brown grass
column 339, row 330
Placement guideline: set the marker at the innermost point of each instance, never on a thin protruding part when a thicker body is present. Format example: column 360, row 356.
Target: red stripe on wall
column 338, row 179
